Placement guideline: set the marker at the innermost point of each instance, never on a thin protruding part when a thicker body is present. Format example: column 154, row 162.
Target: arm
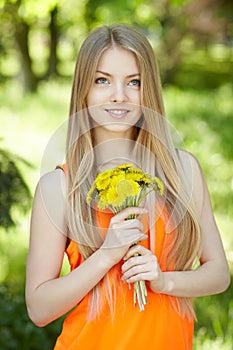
column 213, row 274
column 49, row 296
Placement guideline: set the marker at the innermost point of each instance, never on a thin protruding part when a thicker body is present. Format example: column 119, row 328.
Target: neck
column 111, row 153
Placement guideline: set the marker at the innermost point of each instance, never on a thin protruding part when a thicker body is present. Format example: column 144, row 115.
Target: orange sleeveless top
column 158, row 327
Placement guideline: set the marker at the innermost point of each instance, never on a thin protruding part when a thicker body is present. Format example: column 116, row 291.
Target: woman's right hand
column 122, row 234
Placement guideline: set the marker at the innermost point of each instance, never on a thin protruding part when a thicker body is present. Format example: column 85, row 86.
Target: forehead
column 118, row 58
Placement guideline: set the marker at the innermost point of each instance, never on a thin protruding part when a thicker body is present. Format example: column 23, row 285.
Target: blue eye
column 101, row 81
column 135, row 82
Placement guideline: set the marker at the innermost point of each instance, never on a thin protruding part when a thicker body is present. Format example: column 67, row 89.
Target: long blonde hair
column 154, row 138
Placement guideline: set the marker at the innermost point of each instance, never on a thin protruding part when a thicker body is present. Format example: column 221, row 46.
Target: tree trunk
column 21, row 36
column 53, row 29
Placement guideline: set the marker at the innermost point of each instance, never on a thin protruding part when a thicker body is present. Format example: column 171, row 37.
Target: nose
column 118, row 93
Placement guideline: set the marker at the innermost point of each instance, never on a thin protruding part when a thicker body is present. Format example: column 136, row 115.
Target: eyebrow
column 109, row 75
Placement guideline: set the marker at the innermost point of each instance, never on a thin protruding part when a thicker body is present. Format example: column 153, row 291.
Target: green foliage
column 17, row 332
column 205, row 69
column 99, row 12
column 14, row 191
column 204, row 121
column 215, row 317
column 39, row 39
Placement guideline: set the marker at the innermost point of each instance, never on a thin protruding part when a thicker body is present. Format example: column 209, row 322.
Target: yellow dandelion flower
column 103, row 179
column 136, row 177
column 119, row 201
column 121, row 190
column 117, row 172
column 102, row 204
column 103, row 194
column 112, row 193
column 120, row 186
column 147, row 179
column 124, row 167
column 135, row 171
column 160, row 185
column 128, row 188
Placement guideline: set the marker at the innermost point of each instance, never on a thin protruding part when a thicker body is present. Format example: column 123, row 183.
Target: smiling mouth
column 117, row 113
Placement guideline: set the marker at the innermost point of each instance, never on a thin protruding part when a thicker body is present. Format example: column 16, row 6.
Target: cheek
column 95, row 97
column 89, row 98
column 135, row 97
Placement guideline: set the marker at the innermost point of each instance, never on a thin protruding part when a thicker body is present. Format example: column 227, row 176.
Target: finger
column 123, row 214
column 137, row 269
column 135, row 261
column 132, row 223
column 125, row 239
column 143, row 267
column 144, row 276
column 133, row 236
column 137, row 249
column 146, row 260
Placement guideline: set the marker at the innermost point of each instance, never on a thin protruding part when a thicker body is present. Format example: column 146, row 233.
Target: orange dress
column 158, row 327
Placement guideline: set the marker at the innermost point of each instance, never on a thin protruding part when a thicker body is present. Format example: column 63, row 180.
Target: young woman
column 116, row 117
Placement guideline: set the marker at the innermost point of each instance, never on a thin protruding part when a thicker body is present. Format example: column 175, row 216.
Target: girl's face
column 114, row 98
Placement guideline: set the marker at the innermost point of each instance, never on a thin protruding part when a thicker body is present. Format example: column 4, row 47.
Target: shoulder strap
column 62, row 167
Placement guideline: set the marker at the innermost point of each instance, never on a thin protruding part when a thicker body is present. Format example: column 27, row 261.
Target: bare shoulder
column 191, row 166
column 188, row 159
column 53, row 181
column 50, row 197
column 194, row 178
column 53, row 185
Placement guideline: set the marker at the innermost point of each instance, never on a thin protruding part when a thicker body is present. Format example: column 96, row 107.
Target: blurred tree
column 54, row 34
column 47, row 32
column 19, row 17
column 14, row 192
column 101, row 12
column 175, row 27
column 186, row 25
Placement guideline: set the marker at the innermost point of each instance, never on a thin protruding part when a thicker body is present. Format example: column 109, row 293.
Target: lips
column 117, row 113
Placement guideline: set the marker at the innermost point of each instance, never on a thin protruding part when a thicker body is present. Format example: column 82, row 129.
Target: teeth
column 117, row 111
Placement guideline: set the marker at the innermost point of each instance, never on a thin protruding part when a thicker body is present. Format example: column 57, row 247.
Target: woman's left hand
column 143, row 267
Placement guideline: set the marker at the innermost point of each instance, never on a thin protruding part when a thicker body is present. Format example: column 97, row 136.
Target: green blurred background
column 39, row 41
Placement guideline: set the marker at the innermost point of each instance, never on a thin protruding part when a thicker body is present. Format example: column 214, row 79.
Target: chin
column 116, row 127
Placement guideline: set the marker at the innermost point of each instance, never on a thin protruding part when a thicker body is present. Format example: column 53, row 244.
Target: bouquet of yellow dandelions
column 121, row 187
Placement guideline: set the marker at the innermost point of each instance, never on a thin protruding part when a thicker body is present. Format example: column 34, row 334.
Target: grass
column 205, row 124
column 204, row 120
